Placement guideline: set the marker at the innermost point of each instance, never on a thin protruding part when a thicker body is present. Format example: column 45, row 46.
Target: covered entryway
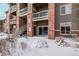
column 40, row 28
column 40, row 19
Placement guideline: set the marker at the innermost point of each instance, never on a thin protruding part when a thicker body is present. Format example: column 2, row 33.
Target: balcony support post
column 17, row 16
column 51, row 20
column 30, row 21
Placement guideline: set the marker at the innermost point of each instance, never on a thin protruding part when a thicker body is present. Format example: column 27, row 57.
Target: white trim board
column 74, row 30
column 71, row 30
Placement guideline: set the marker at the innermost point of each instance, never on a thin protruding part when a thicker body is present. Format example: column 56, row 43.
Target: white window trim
column 70, row 23
column 65, row 6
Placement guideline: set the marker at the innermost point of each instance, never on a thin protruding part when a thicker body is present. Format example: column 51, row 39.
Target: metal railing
column 13, row 20
column 40, row 14
column 23, row 11
column 13, row 8
column 19, row 32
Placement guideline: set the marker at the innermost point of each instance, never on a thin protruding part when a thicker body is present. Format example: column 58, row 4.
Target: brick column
column 17, row 16
column 51, row 20
column 29, row 21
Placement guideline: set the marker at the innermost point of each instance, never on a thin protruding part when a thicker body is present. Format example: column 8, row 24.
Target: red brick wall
column 51, row 20
column 29, row 25
column 75, row 32
column 1, row 26
column 57, row 33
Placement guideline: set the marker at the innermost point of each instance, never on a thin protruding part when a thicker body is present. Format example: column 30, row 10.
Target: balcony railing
column 13, row 20
column 13, row 8
column 23, row 11
column 40, row 15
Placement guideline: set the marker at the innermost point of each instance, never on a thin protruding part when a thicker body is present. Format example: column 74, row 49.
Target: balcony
column 23, row 11
column 13, row 20
column 13, row 8
column 42, row 15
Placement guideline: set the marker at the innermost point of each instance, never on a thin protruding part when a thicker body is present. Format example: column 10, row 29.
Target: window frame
column 66, row 13
column 64, row 25
column 42, row 28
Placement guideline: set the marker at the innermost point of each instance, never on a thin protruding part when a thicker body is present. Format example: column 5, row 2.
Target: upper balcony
column 42, row 15
column 23, row 11
column 13, row 8
column 13, row 20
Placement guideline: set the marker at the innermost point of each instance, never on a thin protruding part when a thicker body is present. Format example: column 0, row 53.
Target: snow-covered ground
column 34, row 47
column 3, row 35
column 41, row 46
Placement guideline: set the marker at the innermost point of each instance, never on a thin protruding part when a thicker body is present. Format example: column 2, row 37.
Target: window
column 62, row 29
column 68, row 29
column 40, row 31
column 45, row 30
column 65, row 9
column 65, row 28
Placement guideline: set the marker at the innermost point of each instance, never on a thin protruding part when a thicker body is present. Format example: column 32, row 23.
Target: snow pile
column 63, row 41
column 20, row 47
column 59, row 41
column 70, row 41
column 22, row 43
column 4, row 47
column 33, row 43
column 33, row 46
column 21, row 39
column 3, row 36
column 38, row 43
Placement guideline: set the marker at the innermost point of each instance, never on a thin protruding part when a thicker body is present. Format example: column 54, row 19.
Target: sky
column 3, row 8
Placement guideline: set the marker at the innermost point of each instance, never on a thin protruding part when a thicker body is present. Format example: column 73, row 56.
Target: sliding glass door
column 43, row 30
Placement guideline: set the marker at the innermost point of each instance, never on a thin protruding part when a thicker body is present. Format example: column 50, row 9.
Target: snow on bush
column 38, row 44
column 22, row 46
column 65, row 41
column 68, row 42
column 59, row 41
column 17, row 47
column 22, row 43
column 3, row 36
column 33, row 43
column 4, row 47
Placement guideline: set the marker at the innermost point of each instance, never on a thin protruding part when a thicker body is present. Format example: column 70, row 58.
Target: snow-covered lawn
column 41, row 46
column 37, row 46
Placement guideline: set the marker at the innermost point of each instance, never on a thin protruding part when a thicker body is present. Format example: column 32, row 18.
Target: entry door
column 40, row 30
column 43, row 30
column 34, row 30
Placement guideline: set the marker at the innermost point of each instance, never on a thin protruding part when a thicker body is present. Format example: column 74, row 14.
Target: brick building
column 52, row 19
